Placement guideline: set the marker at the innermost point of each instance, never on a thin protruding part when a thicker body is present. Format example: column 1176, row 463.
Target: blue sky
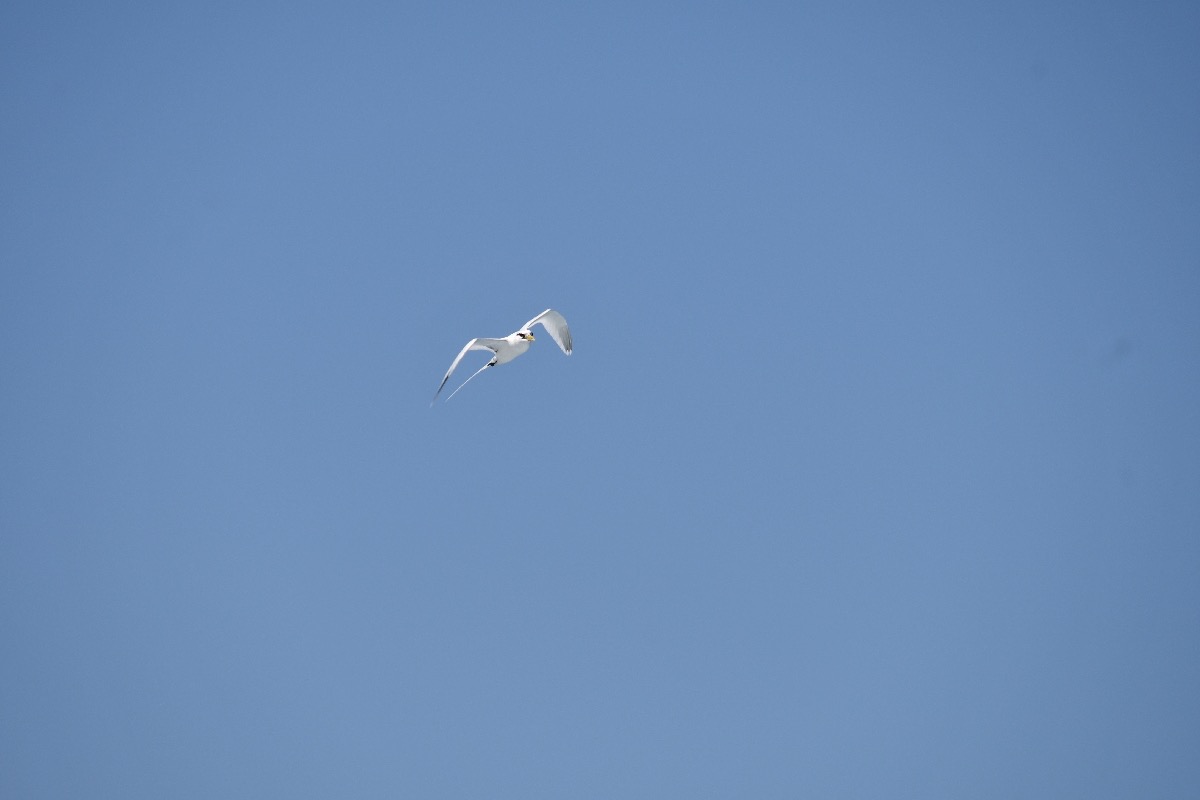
column 875, row 472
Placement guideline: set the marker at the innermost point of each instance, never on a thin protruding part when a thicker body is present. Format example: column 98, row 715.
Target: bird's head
column 526, row 335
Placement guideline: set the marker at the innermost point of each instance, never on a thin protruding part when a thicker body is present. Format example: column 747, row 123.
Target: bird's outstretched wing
column 474, row 344
column 555, row 325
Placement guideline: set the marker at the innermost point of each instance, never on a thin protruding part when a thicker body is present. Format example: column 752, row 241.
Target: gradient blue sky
column 875, row 473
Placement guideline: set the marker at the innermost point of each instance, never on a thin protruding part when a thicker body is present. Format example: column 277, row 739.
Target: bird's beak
column 529, row 336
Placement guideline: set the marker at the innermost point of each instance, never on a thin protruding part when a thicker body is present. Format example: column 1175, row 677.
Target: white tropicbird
column 511, row 346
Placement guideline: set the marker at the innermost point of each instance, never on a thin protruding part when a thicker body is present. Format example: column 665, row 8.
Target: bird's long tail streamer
column 468, row 380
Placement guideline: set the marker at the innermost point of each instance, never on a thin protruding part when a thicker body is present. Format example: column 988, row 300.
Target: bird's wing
column 556, row 326
column 474, row 344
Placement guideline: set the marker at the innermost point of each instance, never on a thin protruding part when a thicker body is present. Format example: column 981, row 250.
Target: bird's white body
column 513, row 345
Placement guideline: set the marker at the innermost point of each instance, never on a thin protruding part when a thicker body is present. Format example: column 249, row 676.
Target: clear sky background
column 875, row 472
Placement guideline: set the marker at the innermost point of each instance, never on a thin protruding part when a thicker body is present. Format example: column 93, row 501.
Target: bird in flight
column 511, row 346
